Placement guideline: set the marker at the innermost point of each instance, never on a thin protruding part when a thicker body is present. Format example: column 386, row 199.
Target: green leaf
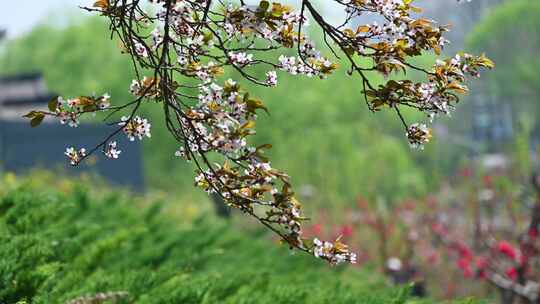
column 90, row 108
column 207, row 37
column 37, row 119
column 248, row 125
column 264, row 146
column 254, row 104
column 264, row 5
column 30, row 114
column 53, row 104
column 350, row 51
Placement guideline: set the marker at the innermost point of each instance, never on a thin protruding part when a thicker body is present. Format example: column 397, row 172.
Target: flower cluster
column 112, row 151
column 335, row 253
column 135, row 127
column 75, row 156
column 498, row 255
column 240, row 58
column 69, row 111
column 313, row 67
column 147, row 87
column 418, row 135
column 401, row 36
column 186, row 46
column 271, row 78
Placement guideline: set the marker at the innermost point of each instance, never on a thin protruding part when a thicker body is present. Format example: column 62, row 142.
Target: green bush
column 56, row 247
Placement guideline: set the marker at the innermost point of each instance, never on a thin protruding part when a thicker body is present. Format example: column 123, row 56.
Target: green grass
column 56, row 247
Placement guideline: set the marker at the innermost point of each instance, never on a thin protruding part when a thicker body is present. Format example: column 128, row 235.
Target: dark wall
column 23, row 148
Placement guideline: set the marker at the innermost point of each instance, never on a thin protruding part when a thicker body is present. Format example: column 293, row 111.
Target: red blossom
column 464, row 251
column 523, row 259
column 346, row 230
column 533, row 233
column 512, row 273
column 465, row 265
column 507, row 249
column 482, row 274
column 481, row 262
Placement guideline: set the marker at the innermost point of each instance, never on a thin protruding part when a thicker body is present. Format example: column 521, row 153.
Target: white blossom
column 418, row 135
column 111, row 151
column 136, row 127
column 271, row 78
column 75, row 156
column 241, row 58
column 140, row 49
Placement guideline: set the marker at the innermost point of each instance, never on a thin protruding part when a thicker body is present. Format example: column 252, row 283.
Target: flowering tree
column 507, row 258
column 482, row 230
column 181, row 48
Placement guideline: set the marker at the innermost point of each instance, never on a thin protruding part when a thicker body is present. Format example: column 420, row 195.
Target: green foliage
column 324, row 137
column 56, row 247
column 509, row 35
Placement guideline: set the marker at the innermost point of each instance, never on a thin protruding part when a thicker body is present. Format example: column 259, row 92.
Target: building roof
column 30, row 76
column 22, row 88
column 37, row 100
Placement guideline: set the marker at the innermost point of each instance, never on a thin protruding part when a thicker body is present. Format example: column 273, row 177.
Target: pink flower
column 465, row 265
column 346, row 230
column 481, row 262
column 507, row 249
column 512, row 273
column 533, row 233
column 317, row 229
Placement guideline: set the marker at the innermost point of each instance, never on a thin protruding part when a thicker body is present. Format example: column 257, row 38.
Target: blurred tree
column 510, row 35
column 74, row 58
column 462, row 15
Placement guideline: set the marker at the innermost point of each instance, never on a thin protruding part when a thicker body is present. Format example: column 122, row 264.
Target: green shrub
column 58, row 247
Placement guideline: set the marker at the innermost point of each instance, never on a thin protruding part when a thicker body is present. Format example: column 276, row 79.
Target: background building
column 23, row 148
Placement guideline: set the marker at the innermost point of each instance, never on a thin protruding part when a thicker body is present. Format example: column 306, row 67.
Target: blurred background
column 353, row 169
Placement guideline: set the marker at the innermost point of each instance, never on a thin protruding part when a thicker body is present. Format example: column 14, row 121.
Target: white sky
column 19, row 16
